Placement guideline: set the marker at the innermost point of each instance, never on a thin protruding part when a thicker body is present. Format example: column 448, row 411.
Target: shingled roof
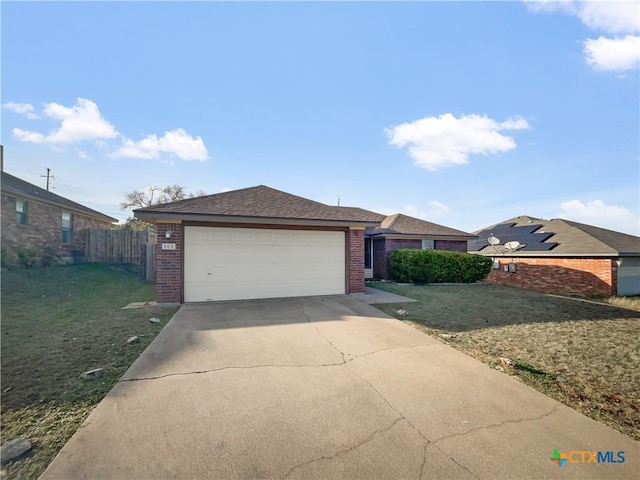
column 15, row 186
column 556, row 237
column 400, row 224
column 259, row 202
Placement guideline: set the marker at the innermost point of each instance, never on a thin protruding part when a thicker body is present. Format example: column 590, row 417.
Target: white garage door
column 243, row 263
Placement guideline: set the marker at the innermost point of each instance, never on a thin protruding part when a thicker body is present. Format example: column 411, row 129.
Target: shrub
column 5, row 259
column 49, row 257
column 27, row 258
column 437, row 266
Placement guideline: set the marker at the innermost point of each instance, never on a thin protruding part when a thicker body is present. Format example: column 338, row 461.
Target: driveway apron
column 324, row 387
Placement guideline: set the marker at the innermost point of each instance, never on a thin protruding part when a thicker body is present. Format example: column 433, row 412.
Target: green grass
column 583, row 353
column 56, row 324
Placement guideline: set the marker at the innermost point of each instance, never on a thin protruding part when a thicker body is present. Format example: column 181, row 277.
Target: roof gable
column 16, row 186
column 555, row 237
column 259, row 202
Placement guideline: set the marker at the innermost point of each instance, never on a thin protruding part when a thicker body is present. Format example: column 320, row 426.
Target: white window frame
column 22, row 212
column 67, row 228
column 428, row 244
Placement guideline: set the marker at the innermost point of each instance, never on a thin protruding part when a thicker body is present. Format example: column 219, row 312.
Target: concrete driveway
column 325, row 387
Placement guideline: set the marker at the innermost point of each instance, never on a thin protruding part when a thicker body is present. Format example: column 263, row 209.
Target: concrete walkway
column 373, row 296
column 324, row 387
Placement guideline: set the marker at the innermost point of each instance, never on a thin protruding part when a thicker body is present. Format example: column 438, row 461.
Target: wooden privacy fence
column 122, row 247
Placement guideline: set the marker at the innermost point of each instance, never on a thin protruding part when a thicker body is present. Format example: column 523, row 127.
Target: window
column 427, row 244
column 67, row 227
column 367, row 253
column 21, row 212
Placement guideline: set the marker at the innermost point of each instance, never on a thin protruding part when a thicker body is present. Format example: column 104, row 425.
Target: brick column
column 356, row 260
column 169, row 264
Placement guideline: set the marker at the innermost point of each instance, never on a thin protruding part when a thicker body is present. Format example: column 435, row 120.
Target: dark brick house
column 561, row 256
column 402, row 231
column 35, row 218
column 260, row 242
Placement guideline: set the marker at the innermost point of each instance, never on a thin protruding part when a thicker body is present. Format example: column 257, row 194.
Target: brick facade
column 43, row 228
column 382, row 247
column 451, row 245
column 355, row 261
column 583, row 276
column 169, row 264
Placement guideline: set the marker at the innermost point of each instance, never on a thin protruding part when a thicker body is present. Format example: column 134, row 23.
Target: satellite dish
column 512, row 245
column 493, row 240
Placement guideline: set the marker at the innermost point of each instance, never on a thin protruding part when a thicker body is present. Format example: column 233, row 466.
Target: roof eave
column 555, row 254
column 30, row 196
column 155, row 217
column 419, row 236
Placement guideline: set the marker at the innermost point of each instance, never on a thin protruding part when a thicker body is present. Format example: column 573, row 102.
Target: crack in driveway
column 245, row 367
column 346, row 450
column 495, row 425
column 306, row 315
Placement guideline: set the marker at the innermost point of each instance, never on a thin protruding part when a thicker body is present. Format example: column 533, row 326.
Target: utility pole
column 48, row 176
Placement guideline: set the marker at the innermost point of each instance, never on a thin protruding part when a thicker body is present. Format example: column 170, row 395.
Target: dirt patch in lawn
column 56, row 324
column 583, row 353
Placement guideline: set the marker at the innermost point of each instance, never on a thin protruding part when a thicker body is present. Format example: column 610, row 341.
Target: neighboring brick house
column 35, row 218
column 402, row 231
column 260, row 242
column 561, row 256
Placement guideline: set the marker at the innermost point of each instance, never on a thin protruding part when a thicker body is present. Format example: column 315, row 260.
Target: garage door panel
column 240, row 263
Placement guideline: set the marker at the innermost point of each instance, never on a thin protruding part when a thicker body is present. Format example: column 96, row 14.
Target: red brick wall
column 451, row 245
column 43, row 228
column 355, row 259
column 583, row 276
column 169, row 265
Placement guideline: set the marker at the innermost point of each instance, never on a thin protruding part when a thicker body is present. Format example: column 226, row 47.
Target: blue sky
column 465, row 114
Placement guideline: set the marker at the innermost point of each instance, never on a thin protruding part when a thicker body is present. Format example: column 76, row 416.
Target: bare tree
column 156, row 195
column 152, row 196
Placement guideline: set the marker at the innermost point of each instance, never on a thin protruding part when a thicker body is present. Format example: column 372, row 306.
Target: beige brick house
column 35, row 218
column 561, row 256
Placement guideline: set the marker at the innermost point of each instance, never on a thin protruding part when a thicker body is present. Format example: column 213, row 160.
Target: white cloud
column 25, row 136
column 437, row 208
column 611, row 17
column 177, row 142
column 434, row 209
column 615, row 54
column 82, row 121
column 436, row 142
column 598, row 213
column 614, row 18
column 21, row 108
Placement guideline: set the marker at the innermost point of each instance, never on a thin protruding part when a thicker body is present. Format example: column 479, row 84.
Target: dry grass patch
column 585, row 354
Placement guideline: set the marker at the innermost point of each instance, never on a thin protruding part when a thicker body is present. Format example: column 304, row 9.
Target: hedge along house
column 35, row 219
column 402, row 231
column 561, row 256
column 257, row 242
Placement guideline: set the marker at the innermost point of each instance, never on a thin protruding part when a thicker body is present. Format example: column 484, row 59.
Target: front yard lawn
column 583, row 353
column 56, row 324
